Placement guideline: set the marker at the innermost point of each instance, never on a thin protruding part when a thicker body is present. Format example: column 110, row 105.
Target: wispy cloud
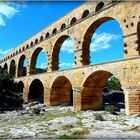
column 102, row 41
column 68, row 46
column 99, row 42
column 7, row 11
column 3, row 52
column 43, row 65
column 66, row 64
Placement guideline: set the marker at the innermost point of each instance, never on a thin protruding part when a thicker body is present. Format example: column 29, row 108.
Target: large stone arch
column 87, row 36
column 36, row 91
column 61, row 91
column 22, row 71
column 56, row 51
column 33, row 60
column 92, row 92
column 12, row 69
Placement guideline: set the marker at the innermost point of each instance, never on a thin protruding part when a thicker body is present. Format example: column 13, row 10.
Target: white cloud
column 43, row 66
column 99, row 42
column 66, row 64
column 68, row 46
column 102, row 41
column 3, row 52
column 7, row 11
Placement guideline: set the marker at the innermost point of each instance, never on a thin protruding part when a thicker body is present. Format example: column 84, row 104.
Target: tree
column 113, row 84
column 9, row 96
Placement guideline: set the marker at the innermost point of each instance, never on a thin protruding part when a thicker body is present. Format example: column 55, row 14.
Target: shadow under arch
column 61, row 91
column 12, row 70
column 22, row 70
column 36, row 91
column 33, row 69
column 92, row 93
column 20, row 86
column 88, row 38
column 56, row 51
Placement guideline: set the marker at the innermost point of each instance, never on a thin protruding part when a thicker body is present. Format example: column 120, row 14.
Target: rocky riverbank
column 41, row 121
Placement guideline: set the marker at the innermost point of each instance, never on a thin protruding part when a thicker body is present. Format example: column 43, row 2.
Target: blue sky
column 19, row 21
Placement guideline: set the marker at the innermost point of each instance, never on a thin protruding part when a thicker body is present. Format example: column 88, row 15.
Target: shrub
column 36, row 110
column 9, row 97
column 99, row 117
column 78, row 132
column 110, row 109
column 67, row 137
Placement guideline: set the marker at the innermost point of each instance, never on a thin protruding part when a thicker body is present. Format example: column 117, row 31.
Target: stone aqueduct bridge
column 85, row 82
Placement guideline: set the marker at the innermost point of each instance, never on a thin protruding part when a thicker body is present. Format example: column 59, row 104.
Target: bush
column 110, row 109
column 78, row 132
column 67, row 137
column 10, row 99
column 36, row 110
column 99, row 117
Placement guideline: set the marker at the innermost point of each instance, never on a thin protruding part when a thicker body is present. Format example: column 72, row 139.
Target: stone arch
column 56, row 51
column 20, row 86
column 63, row 26
column 31, row 44
column 34, row 60
column 92, row 93
column 22, row 71
column 54, row 31
column 12, row 70
column 27, row 46
column 47, row 35
column 99, row 6
column 85, row 13
column 88, row 36
column 61, row 91
column 36, row 41
column 23, row 49
column 5, row 67
column 19, row 50
column 73, row 20
column 36, row 91
column 41, row 38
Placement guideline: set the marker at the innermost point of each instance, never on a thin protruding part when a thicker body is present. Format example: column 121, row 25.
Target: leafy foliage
column 9, row 96
column 99, row 117
column 113, row 84
column 110, row 109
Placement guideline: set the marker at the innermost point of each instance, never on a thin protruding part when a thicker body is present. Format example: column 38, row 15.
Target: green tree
column 113, row 84
column 9, row 96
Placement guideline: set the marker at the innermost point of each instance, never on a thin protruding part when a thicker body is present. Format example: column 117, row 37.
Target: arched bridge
column 85, row 82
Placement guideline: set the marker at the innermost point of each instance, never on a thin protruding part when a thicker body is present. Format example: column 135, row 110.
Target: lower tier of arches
column 83, row 88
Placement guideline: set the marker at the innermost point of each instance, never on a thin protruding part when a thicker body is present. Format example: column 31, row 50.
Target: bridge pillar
column 131, row 32
column 25, row 94
column 47, row 96
column 132, row 101
column 82, row 56
column 77, row 98
column 16, row 72
column 49, row 68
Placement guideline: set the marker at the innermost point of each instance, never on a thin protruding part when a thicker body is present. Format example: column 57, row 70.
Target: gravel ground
column 62, row 122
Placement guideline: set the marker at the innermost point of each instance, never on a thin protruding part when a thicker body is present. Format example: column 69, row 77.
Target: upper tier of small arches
column 98, row 8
